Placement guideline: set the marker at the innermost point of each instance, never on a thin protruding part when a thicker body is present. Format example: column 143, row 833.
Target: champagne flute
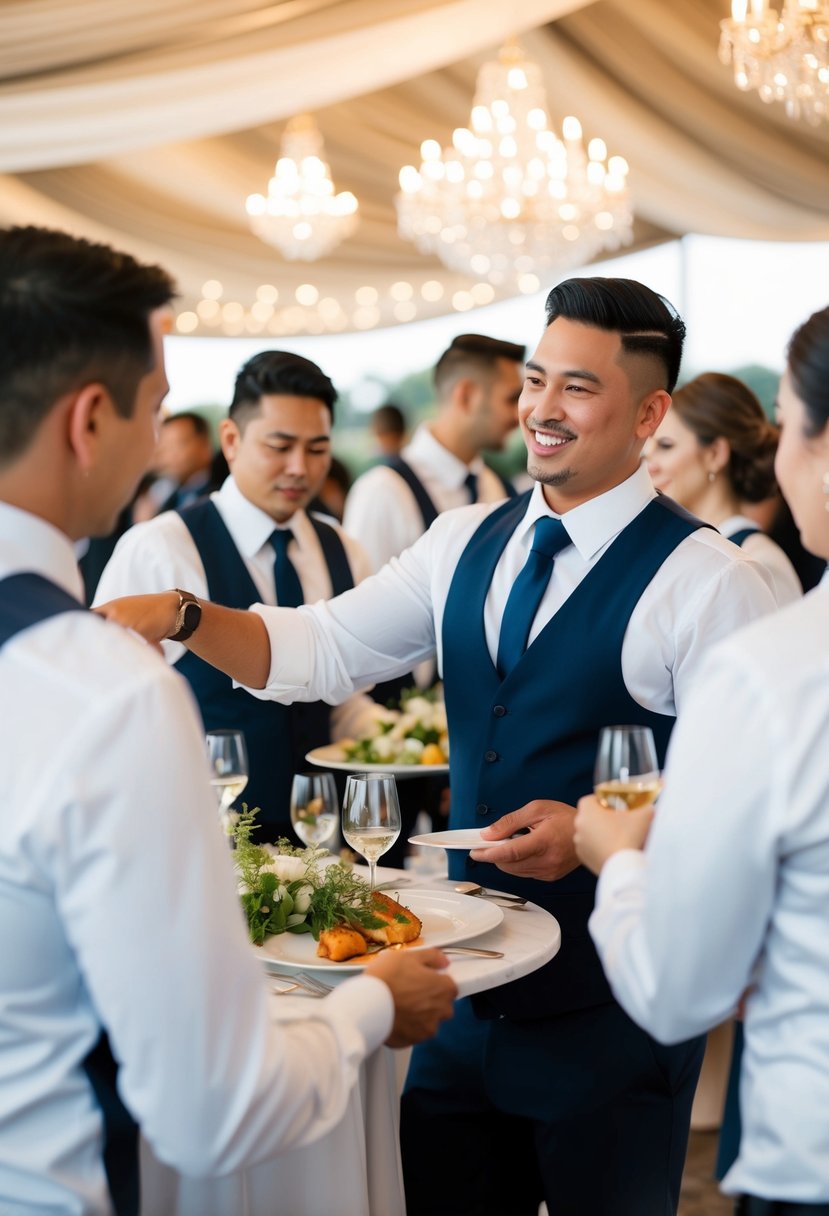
column 314, row 807
column 228, row 758
column 371, row 816
column 626, row 776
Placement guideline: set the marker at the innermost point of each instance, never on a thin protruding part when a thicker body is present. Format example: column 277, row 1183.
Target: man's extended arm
column 228, row 638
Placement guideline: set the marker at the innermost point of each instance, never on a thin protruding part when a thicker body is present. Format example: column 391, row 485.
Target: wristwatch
column 188, row 616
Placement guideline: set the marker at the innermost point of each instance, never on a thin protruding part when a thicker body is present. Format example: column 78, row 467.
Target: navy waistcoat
column 534, row 734
column 25, row 600
column 740, row 538
column 277, row 736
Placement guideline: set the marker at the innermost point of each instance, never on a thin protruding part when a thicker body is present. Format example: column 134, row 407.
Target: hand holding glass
column 626, row 776
column 371, row 816
column 228, row 759
column 314, row 807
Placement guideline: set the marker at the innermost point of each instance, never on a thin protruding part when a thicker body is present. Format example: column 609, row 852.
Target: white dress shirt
column 382, row 512
column 118, row 906
column 761, row 548
column 705, row 589
column 733, row 891
column 160, row 554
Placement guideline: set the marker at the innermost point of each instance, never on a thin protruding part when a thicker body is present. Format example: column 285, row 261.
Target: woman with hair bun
column 713, row 453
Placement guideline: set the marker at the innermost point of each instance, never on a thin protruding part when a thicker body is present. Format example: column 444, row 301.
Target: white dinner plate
column 447, row 918
column 456, row 838
column 333, row 756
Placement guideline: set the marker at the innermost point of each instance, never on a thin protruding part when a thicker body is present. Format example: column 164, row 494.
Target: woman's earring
column 712, row 476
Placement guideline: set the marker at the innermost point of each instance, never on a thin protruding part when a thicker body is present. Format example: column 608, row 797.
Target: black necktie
column 288, row 587
column 471, row 483
column 527, row 591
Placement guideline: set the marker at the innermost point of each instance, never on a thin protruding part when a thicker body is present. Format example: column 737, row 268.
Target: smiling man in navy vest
column 542, row 1088
column 277, row 441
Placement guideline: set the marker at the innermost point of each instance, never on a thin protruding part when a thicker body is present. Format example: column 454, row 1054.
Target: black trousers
column 583, row 1110
column 751, row 1205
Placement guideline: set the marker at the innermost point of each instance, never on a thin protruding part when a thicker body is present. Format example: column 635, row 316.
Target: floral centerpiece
column 413, row 733
column 284, row 889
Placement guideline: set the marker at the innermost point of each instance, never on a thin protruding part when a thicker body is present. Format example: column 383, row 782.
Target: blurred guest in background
column 477, row 384
column 330, row 500
column 713, row 453
column 729, row 898
column 388, row 429
column 184, row 457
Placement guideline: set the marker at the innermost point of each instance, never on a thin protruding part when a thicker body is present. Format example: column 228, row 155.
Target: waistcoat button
column 482, row 809
column 490, row 756
column 499, row 710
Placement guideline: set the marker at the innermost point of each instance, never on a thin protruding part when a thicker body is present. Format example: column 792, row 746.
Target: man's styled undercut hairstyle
column 278, row 373
column 71, row 313
column 474, row 355
column 647, row 322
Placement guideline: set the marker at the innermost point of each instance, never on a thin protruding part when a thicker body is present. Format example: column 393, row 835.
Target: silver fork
column 292, row 986
column 313, row 981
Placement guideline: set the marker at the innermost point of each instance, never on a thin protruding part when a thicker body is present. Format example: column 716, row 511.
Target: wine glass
column 228, row 758
column 314, row 807
column 626, row 776
column 371, row 816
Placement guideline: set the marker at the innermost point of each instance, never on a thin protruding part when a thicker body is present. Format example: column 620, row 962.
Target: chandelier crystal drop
column 784, row 57
column 510, row 199
column 301, row 215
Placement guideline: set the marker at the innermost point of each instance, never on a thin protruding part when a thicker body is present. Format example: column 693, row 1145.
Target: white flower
column 288, row 869
column 383, row 747
column 302, row 900
column 412, row 748
column 420, row 709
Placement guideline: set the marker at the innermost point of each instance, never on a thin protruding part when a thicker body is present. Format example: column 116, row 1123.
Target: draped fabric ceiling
column 148, row 124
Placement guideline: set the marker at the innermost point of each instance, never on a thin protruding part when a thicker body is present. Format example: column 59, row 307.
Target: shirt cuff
column 619, row 871
column 291, row 658
column 368, row 1002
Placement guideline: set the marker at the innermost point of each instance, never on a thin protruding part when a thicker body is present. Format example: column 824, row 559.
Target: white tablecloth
column 355, row 1169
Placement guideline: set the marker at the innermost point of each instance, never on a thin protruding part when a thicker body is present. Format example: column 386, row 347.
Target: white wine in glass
column 371, row 816
column 228, row 759
column 314, row 807
column 626, row 776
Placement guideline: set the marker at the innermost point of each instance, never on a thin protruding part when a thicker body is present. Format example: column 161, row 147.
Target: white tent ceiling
column 147, row 125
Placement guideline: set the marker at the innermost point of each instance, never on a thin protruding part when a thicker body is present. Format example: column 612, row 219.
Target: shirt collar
column 596, row 522
column 248, row 525
column 29, row 543
column 449, row 470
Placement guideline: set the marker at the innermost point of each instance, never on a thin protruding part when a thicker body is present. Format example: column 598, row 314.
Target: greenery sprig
column 283, row 889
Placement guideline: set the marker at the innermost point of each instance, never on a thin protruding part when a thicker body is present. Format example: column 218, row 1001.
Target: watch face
column 191, row 615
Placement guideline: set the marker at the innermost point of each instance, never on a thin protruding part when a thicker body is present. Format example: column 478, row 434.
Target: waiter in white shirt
column 122, row 935
column 730, row 897
column 254, row 540
column 543, row 1078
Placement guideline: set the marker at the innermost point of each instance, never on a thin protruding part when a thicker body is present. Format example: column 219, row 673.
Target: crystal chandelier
column 302, row 216
column 786, row 57
column 509, row 198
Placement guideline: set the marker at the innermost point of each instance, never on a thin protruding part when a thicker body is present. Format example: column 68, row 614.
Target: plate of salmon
column 419, row 919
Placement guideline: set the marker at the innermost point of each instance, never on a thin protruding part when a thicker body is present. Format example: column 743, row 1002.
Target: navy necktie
column 471, row 483
column 527, row 591
column 288, row 587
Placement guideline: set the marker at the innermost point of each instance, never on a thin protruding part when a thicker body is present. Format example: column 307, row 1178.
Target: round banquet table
column 355, row 1169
